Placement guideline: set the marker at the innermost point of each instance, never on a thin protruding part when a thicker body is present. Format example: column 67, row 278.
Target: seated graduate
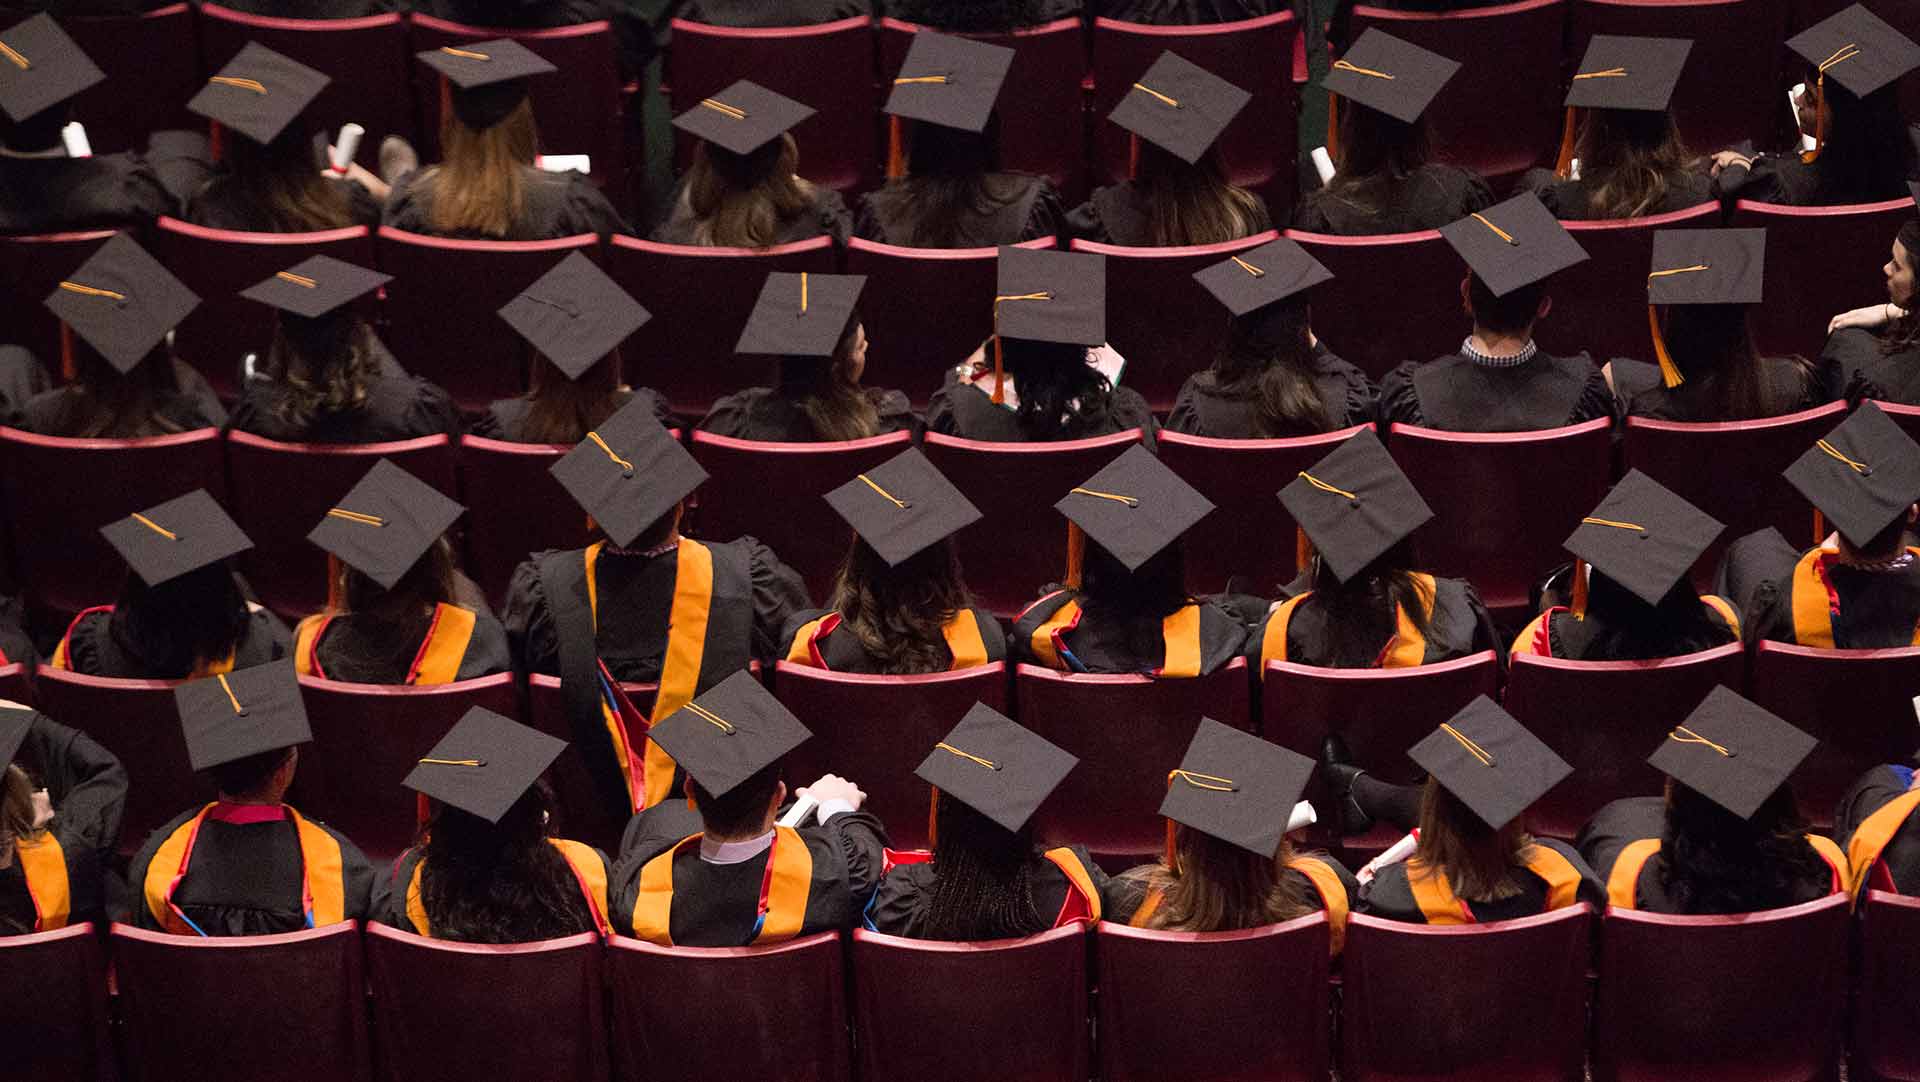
column 1632, row 595
column 181, row 612
column 1125, row 606
column 574, row 318
column 808, row 322
column 1501, row 380
column 61, row 796
column 983, row 16
column 1188, row 12
column 1367, row 608
column 248, row 863
column 900, row 604
column 771, row 12
column 1727, row 837
column 1176, row 191
column 1229, row 864
column 645, row 604
column 741, row 189
column 945, row 187
column 1273, row 379
column 1876, row 825
column 690, row 871
column 327, row 377
column 985, row 878
column 1874, row 352
column 1384, row 180
column 485, row 869
column 394, row 600
column 1042, row 383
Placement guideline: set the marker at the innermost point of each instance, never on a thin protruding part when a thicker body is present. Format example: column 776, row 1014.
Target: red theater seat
column 152, row 65
column 1886, row 1010
column 30, row 268
column 514, row 508
column 138, row 722
column 1393, row 298
column 582, row 814
column 1600, row 306
column 54, row 998
column 1859, row 703
column 1821, row 261
column 1907, row 417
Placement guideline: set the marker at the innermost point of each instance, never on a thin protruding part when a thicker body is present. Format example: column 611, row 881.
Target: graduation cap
column 629, row 472
column 488, row 78
column 1621, row 72
column 1513, row 244
column 734, row 731
column 1236, row 787
column 1047, row 297
column 169, row 539
column 945, row 80
column 1134, row 507
column 316, row 286
column 1858, row 48
column 1261, row 276
column 1395, row 77
column 484, row 764
column 1354, row 504
column 801, row 315
column 742, row 118
column 1180, row 106
column 40, row 67
column 575, row 315
column 384, row 524
column 1862, row 476
column 259, row 93
column 1702, row 266
column 233, row 715
column 903, row 506
column 1732, row 752
column 1490, row 761
column 15, row 723
column 1643, row 537
column 122, row 301
column 994, row 766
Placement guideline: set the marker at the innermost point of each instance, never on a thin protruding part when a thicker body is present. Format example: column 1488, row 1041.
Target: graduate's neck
column 1493, row 343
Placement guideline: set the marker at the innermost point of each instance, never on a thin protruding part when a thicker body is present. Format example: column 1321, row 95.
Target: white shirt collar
column 714, row 852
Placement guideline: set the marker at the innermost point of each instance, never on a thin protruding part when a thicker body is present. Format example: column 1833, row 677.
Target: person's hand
column 355, row 171
column 1872, row 317
column 1726, row 158
column 833, row 787
column 42, row 809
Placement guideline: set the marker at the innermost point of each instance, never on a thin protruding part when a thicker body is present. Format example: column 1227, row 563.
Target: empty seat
column 1886, row 1011
column 13, row 683
column 54, row 998
column 1600, row 306
column 583, row 814
column 515, row 508
column 152, row 66
column 138, row 722
column 1821, row 261
column 1415, row 276
column 30, row 268
column 1859, row 703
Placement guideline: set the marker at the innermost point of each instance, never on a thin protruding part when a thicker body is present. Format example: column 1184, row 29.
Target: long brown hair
column 1376, row 153
column 1193, row 204
column 1267, row 352
column 1712, row 344
column 502, row 882
column 480, row 185
column 1217, row 886
column 562, row 410
column 107, row 403
column 1362, row 612
column 1477, row 860
column 324, row 366
column 389, row 625
column 897, row 613
column 743, row 200
column 281, row 182
column 1626, row 156
column 827, row 392
column 1905, row 332
column 952, row 183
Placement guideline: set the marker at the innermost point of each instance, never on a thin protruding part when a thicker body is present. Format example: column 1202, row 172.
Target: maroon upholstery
column 1802, row 243
column 138, row 722
column 444, row 301
column 1907, row 417
column 876, row 729
column 367, row 738
column 828, row 67
column 13, row 683
column 922, row 1008
column 1021, row 543
column 514, row 508
column 699, row 299
column 1677, row 995
column 453, row 1012
column 152, row 65
column 1163, row 322
column 1393, row 298
column 1600, row 306
column 1227, row 1006
column 218, row 1009
column 774, row 492
column 1512, row 1006
column 1605, row 718
column 30, row 268
column 1127, row 731
column 1259, row 149
column 1859, row 703
column 666, row 1027
column 281, row 491
column 219, row 263
column 1886, row 1009
column 1499, row 519
column 1041, row 104
column 1249, row 532
column 55, row 1003
column 581, row 814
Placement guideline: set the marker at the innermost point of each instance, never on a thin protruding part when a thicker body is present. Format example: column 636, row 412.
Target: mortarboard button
column 1620, row 72
column 629, row 472
column 1643, row 537
column 950, row 81
column 575, row 315
column 1179, row 106
column 1236, row 787
column 742, row 118
column 1134, row 507
column 1732, row 752
column 903, row 506
column 801, row 315
column 41, row 66
column 122, row 301
column 484, row 764
column 1355, row 504
column 316, row 286
column 729, row 734
column 1513, row 244
column 385, row 524
column 1395, row 77
column 994, row 766
column 1261, row 276
column 258, row 93
column 488, row 78
column 233, row 715
column 1490, row 761
column 1862, row 476
column 167, row 540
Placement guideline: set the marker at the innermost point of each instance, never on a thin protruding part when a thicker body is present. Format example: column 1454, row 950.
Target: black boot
column 1340, row 774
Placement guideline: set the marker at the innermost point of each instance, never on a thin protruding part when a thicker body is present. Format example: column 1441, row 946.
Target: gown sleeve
column 1184, row 418
column 1592, row 890
column 1389, row 896
column 587, row 210
column 866, row 224
column 1841, row 364
column 1617, row 825
column 992, row 636
column 1864, row 797
column 430, row 410
column 1485, row 637
column 835, row 220
column 21, row 377
column 1362, row 394
column 1596, row 398
column 1083, row 223
column 1768, row 617
column 487, row 650
column 488, row 427
column 862, row 841
column 1761, row 181
column 181, row 162
column 365, row 888
column 895, row 909
column 532, row 638
column 1130, row 410
column 86, row 783
column 727, row 417
column 778, row 590
column 941, row 417
column 1047, row 216
column 1126, row 892
column 1398, row 401
column 895, row 410
column 1477, row 194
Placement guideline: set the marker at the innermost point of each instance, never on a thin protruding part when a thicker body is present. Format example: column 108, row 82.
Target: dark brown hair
column 1220, row 887
column 744, row 200
column 479, row 187
column 104, row 402
column 562, row 410
column 281, row 183
column 1477, row 860
column 1626, row 158
column 482, row 882
column 1267, row 352
column 1193, row 204
column 825, row 390
column 324, row 366
column 1712, row 345
column 983, row 888
column 1362, row 612
column 898, row 613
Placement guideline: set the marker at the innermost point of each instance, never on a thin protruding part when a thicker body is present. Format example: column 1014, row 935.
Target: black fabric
column 391, row 899
column 827, row 217
column 1455, row 394
column 772, row 12
column 842, row 651
column 1460, row 626
column 1751, row 561
column 1117, row 214
column 1878, row 609
column 1431, row 197
column 1854, row 366
column 1873, row 791
column 85, row 782
column 1576, row 639
column 1128, row 890
column 763, row 413
column 22, row 376
column 900, row 907
column 506, row 418
column 1390, row 897
column 192, row 405
column 246, row 879
column 86, row 883
column 1188, row 12
column 357, row 651
column 961, row 409
column 1207, row 407
column 107, row 191
column 517, row 14
column 1784, row 178
column 220, row 204
column 397, row 407
column 556, row 205
column 941, row 15
column 1788, row 385
column 1623, row 822
column 1572, row 200
column 1105, row 643
column 1027, row 208
column 93, row 649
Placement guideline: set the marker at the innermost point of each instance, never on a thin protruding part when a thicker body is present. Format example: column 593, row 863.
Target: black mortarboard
column 315, row 286
column 122, row 301
column 1134, row 507
column 1643, row 537
column 40, row 67
column 801, row 315
column 1732, row 752
column 902, row 506
column 1355, row 504
column 1236, row 787
column 1051, row 296
column 1261, row 276
column 629, row 472
column 484, row 764
column 575, row 315
column 1707, row 266
column 992, row 765
column 259, row 93
column 167, row 540
column 1490, row 761
column 246, row 712
column 729, row 734
column 1393, row 76
column 1180, row 106
column 489, row 78
column 384, row 524
column 15, row 723
column 743, row 117
column 1858, row 48
column 1862, row 476
column 1628, row 73
column 949, row 81
column 1513, row 244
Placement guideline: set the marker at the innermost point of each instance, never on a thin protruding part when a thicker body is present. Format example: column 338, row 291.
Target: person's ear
column 1466, row 296
column 1546, row 305
column 779, row 796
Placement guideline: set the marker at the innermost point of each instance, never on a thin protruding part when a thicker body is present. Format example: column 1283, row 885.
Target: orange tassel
column 933, row 817
column 216, row 141
column 68, row 369
column 1076, row 556
column 336, row 584
column 1563, row 166
column 1172, row 853
column 999, row 374
column 422, row 809
column 1333, row 128
column 896, row 152
column 1819, row 120
column 1133, row 156
column 1669, row 372
column 446, row 100
column 1579, row 588
column 1302, row 550
column 1819, row 527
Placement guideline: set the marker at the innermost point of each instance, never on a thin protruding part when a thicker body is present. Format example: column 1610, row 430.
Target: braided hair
column 984, row 889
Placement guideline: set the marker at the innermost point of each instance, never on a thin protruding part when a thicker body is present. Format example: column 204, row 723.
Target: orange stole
column 323, row 875
column 1434, row 894
column 1623, row 881
column 961, row 632
column 1815, row 603
column 437, row 662
column 1180, row 632
column 44, row 864
column 784, row 891
column 1333, row 898
column 587, row 869
column 1407, row 649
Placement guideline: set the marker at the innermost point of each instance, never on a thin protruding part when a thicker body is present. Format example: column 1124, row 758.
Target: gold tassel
column 933, row 817
column 1563, row 166
column 999, row 374
column 1819, row 527
column 68, row 368
column 1580, row 588
column 1302, row 550
column 1172, row 853
column 1669, row 372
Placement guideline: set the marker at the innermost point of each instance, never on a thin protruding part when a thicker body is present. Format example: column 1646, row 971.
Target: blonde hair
column 16, row 811
column 480, row 184
column 744, row 200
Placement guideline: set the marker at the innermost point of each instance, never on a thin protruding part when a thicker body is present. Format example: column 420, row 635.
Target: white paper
column 1322, row 164
column 1573, row 169
column 1793, row 106
column 74, row 137
column 565, row 163
column 1395, row 853
column 802, row 808
column 345, row 147
column 1302, row 817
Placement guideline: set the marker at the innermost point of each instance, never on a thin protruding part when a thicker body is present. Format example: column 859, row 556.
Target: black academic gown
column 1559, row 633
column 1391, row 896
column 1431, row 197
column 842, row 652
column 827, row 217
column 961, row 409
column 53, row 195
column 590, row 868
column 1099, row 643
column 1127, row 891
column 1207, row 407
column 772, row 12
column 244, row 879
column 22, row 377
column 193, row 404
column 88, row 789
column 961, row 18
column 1876, row 609
column 902, row 904
column 557, row 205
column 763, row 413
column 398, row 406
column 1455, row 394
column 351, row 648
column 1887, row 861
column 1787, row 385
column 1116, row 214
column 92, row 647
column 506, row 418
column 1028, row 209
column 1188, row 12
column 1784, row 178
column 1622, row 822
column 1855, row 366
column 219, row 204
column 1572, row 200
column 715, row 905
column 1458, row 626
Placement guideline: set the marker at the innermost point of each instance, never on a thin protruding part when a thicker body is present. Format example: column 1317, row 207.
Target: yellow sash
column 1871, row 837
column 1180, row 633
column 1044, row 641
column 962, row 634
column 323, row 874
column 784, row 891
column 44, row 864
column 441, row 651
column 1407, row 649
column 1434, row 894
column 63, row 653
column 588, row 872
column 1077, row 877
column 1725, row 609
column 800, row 651
column 1814, row 604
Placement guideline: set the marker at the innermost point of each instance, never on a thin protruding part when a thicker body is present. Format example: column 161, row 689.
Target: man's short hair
column 1511, row 314
column 744, row 807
